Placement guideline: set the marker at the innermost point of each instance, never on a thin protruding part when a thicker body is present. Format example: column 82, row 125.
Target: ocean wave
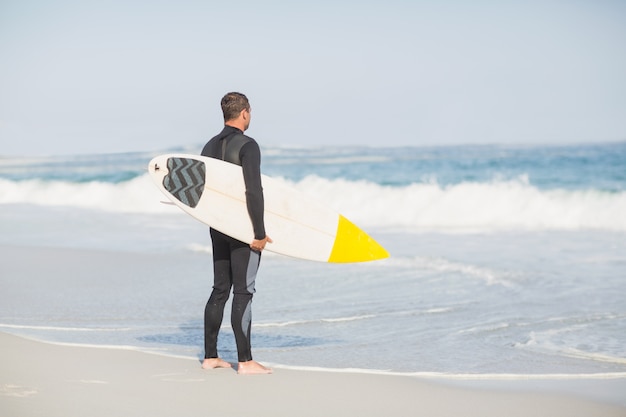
column 540, row 341
column 598, row 357
column 461, row 376
column 137, row 195
column 577, row 337
column 291, row 323
column 495, row 205
column 468, row 206
column 488, row 275
column 314, row 321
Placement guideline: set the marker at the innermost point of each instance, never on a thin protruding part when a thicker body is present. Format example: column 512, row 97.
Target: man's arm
column 250, row 156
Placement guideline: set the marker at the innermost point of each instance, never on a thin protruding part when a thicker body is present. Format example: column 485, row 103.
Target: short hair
column 233, row 104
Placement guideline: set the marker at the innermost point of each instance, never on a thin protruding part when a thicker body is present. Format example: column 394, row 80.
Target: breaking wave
column 473, row 206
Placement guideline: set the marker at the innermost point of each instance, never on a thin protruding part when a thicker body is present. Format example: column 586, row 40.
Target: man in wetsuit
column 235, row 263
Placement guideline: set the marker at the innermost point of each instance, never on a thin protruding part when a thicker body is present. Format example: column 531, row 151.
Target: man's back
column 231, row 145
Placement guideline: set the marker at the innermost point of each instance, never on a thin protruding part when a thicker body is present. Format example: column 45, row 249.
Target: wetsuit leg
column 214, row 310
column 235, row 265
column 245, row 264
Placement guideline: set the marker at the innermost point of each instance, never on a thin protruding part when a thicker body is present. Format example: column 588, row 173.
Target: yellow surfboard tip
column 354, row 245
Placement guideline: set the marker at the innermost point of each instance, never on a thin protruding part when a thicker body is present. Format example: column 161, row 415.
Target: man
column 235, row 263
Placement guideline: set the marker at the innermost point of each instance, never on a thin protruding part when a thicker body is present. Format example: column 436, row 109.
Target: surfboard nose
column 158, row 165
column 354, row 245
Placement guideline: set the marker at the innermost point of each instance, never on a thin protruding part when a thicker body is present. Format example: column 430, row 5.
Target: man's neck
column 236, row 124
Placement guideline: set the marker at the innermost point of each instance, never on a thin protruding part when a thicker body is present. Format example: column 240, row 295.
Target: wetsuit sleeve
column 250, row 156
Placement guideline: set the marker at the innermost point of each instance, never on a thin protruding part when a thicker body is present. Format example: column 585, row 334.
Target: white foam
column 555, row 340
column 496, row 205
column 138, row 195
column 460, row 376
column 65, row 329
column 598, row 357
column 488, row 275
column 321, row 320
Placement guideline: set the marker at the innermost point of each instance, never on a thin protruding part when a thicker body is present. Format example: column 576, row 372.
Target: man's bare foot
column 214, row 363
column 252, row 368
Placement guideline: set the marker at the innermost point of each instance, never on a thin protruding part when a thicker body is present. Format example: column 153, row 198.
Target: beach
column 503, row 294
column 40, row 379
column 107, row 379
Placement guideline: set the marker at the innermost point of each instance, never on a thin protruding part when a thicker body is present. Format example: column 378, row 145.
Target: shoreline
column 38, row 378
column 444, row 376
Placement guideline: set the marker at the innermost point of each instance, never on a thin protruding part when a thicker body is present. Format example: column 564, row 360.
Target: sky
column 119, row 76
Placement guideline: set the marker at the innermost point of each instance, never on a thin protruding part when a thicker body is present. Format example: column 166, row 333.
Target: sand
column 41, row 379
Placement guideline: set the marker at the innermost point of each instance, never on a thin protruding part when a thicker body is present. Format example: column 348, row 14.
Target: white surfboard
column 213, row 192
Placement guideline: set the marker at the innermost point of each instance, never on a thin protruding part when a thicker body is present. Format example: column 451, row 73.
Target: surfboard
column 213, row 192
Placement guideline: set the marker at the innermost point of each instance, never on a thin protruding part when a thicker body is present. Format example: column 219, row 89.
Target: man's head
column 236, row 107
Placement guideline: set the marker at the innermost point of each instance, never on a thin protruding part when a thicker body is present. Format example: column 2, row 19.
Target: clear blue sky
column 114, row 76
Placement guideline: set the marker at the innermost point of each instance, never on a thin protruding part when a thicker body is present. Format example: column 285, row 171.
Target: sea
column 505, row 261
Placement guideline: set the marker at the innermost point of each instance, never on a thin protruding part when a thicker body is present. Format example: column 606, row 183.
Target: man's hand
column 259, row 245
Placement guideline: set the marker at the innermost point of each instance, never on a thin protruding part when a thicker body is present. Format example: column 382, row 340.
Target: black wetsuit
column 235, row 264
